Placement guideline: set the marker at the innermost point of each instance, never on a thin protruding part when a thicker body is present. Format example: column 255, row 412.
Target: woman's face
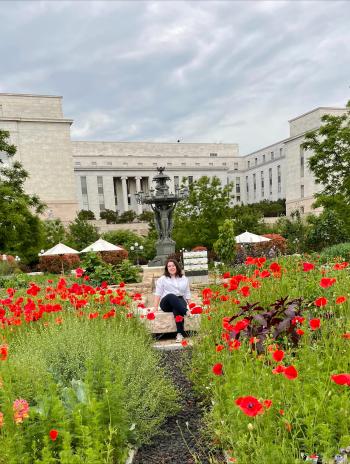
column 171, row 268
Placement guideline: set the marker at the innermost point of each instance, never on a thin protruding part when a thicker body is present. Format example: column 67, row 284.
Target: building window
column 140, row 164
column 224, row 164
column 93, row 163
column 238, row 198
column 77, row 163
column 247, row 187
column 302, row 162
column 254, row 185
column 302, row 209
column 197, row 164
column 169, row 164
column 238, row 185
column 302, row 191
column 235, row 166
column 115, row 189
column 248, row 164
column 264, row 158
column 211, row 164
column 190, row 180
column 279, row 188
column 84, row 192
column 281, row 151
column 262, row 184
column 125, row 164
column 272, row 156
column 101, row 196
column 183, row 164
column 256, row 161
column 155, row 164
column 109, row 163
column 270, row 180
column 213, row 155
column 176, row 182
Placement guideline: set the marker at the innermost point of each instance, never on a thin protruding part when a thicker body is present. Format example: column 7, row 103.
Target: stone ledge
column 165, row 322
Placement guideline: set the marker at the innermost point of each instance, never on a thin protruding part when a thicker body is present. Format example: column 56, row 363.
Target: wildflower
column 267, row 404
column 340, row 300
column 92, row 315
column 275, row 267
column 219, row 348
column 226, row 275
column 53, row 434
column 278, row 355
column 322, row 301
column 234, row 345
column 265, row 274
column 79, row 272
column 1, row 419
column 308, row 267
column 250, row 406
column 315, row 324
column 279, row 369
column 300, row 332
column 346, row 336
column 184, row 343
column 326, row 282
column 196, row 310
column 151, row 316
column 253, row 340
column 341, row 379
column 217, row 369
column 281, row 411
column 298, row 320
column 290, row 373
column 21, row 410
column 244, row 291
column 241, row 325
column 3, row 352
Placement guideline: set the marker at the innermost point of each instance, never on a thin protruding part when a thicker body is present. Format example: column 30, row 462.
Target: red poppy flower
column 244, row 291
column 234, row 345
column 275, row 267
column 253, row 340
column 241, row 325
column 151, row 316
column 340, row 300
column 92, row 315
column 326, row 282
column 184, row 343
column 179, row 318
column 264, row 274
column 267, row 404
column 300, row 332
column 341, row 379
column 322, row 301
column 346, row 336
column 281, row 411
column 250, row 260
column 290, row 373
column 278, row 355
column 298, row 320
column 250, row 406
column 279, row 369
column 226, row 275
column 315, row 324
column 308, row 267
column 197, row 310
column 219, row 348
column 79, row 272
column 217, row 369
column 340, row 266
column 3, row 352
column 53, row 434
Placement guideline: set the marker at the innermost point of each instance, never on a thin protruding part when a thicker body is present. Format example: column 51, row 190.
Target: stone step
column 165, row 322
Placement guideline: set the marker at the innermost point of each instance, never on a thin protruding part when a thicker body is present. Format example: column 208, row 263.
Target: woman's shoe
column 179, row 338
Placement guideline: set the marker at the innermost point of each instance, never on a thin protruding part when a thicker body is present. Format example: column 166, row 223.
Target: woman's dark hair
column 177, row 265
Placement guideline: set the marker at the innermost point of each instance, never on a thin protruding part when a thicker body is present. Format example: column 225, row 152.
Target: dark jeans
column 176, row 305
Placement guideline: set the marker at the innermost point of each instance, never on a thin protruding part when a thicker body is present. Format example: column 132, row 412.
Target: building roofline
column 264, row 148
column 29, row 95
column 158, row 143
column 316, row 109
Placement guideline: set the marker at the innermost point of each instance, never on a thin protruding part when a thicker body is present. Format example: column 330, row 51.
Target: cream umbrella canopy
column 101, row 245
column 248, row 237
column 60, row 250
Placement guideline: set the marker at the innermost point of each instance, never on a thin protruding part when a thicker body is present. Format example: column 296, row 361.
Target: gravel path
column 180, row 441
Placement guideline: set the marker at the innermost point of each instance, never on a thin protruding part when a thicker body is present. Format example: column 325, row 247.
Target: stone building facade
column 70, row 175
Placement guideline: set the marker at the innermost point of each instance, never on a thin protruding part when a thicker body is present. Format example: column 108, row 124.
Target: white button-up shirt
column 179, row 286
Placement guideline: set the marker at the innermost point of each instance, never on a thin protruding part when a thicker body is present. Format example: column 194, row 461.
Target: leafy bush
column 341, row 251
column 86, row 215
column 100, row 271
column 114, row 257
column 110, row 216
column 56, row 264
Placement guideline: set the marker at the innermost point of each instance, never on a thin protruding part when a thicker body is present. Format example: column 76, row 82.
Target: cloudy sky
column 198, row 71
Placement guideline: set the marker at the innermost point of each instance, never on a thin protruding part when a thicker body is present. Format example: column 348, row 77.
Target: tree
column 247, row 218
column 86, row 215
column 81, row 234
column 21, row 228
column 330, row 162
column 54, row 232
column 197, row 218
column 225, row 245
column 294, row 230
column 325, row 230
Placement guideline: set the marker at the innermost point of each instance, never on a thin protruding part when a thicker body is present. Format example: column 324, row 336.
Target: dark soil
column 181, row 440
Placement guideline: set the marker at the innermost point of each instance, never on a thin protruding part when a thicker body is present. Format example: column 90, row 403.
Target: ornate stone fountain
column 163, row 204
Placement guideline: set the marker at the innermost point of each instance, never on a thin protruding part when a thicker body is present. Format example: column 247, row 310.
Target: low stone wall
column 140, row 228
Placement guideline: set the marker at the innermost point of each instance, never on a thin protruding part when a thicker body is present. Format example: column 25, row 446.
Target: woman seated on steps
column 173, row 294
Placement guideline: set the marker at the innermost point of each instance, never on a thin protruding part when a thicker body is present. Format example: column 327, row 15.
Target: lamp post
column 182, row 250
column 138, row 249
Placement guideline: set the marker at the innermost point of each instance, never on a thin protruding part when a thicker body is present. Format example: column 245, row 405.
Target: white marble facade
column 70, row 175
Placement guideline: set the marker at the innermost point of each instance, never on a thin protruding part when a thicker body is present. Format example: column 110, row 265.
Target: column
column 125, row 194
column 138, row 189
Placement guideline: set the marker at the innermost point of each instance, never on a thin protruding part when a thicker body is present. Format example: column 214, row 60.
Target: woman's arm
column 156, row 302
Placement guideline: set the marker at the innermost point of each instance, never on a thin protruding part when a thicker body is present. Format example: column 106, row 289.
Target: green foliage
column 86, row 215
column 80, row 234
column 247, row 218
column 330, row 160
column 127, row 216
column 197, row 219
column 326, row 229
column 124, row 238
column 146, row 216
column 97, row 382
column 341, row 251
column 128, row 272
column 294, row 229
column 54, row 233
column 110, row 216
column 100, row 271
column 21, row 228
column 225, row 246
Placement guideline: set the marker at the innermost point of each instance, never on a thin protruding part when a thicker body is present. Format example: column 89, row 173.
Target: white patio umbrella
column 60, row 249
column 248, row 237
column 101, row 245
